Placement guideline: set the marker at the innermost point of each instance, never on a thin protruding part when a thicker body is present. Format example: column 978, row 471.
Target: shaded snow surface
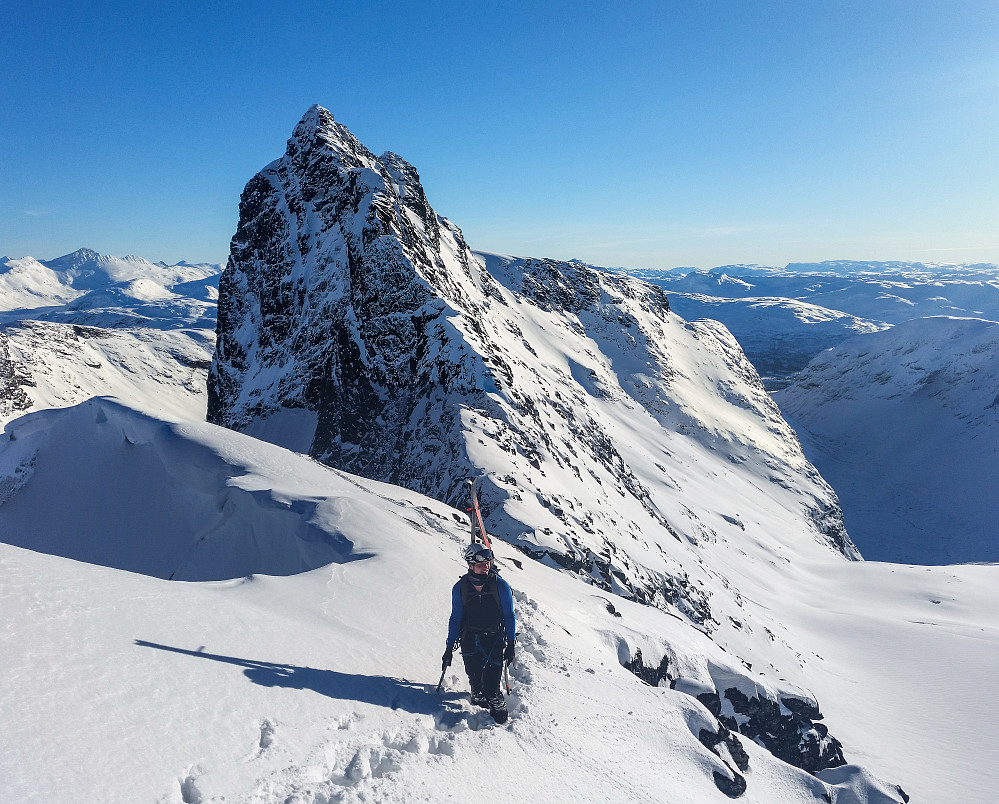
column 905, row 425
column 319, row 686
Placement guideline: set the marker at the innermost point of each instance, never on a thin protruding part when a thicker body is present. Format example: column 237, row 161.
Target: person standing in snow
column 483, row 622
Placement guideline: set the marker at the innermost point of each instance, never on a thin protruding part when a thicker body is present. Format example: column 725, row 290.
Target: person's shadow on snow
column 392, row 693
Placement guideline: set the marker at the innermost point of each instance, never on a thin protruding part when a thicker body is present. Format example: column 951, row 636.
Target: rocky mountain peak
column 319, row 132
column 355, row 324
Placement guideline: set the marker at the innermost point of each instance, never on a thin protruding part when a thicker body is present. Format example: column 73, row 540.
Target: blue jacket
column 458, row 610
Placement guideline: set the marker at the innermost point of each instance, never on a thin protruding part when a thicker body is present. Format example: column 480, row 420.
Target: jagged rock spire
column 355, row 324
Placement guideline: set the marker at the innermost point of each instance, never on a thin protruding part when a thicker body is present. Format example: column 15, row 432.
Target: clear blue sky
column 643, row 134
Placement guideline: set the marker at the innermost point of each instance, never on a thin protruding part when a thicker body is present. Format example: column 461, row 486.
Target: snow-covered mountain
column 89, row 324
column 294, row 655
column 783, row 317
column 905, row 425
column 355, row 323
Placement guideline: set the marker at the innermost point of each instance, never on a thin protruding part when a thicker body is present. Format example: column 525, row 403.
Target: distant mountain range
column 783, row 317
column 88, row 324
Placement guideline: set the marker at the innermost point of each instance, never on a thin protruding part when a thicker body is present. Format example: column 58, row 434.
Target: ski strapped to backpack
column 475, row 517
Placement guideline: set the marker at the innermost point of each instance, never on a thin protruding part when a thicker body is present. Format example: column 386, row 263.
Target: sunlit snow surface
column 320, row 685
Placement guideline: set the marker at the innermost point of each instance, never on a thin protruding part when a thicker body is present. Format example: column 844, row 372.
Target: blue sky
column 648, row 135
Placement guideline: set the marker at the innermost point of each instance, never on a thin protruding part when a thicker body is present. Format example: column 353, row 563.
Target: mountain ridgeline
column 355, row 324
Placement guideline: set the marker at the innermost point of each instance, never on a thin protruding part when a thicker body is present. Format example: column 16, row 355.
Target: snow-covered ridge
column 321, row 684
column 313, row 664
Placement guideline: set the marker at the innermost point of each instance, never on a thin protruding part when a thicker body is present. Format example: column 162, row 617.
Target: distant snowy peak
column 885, row 267
column 89, row 324
column 85, row 269
column 27, row 283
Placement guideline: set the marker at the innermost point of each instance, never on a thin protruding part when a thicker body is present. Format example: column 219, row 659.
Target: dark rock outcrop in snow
column 12, row 380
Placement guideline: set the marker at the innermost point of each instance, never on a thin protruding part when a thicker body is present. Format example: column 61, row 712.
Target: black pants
column 483, row 657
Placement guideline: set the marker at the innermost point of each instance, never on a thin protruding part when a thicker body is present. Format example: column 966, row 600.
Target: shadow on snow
column 392, row 693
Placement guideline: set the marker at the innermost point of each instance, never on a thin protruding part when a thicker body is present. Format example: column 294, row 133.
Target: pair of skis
column 479, row 535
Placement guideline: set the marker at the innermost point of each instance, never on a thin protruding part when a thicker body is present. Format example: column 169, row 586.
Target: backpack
column 467, row 595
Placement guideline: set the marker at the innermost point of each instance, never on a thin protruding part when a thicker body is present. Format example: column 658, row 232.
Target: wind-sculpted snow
column 355, row 323
column 208, row 520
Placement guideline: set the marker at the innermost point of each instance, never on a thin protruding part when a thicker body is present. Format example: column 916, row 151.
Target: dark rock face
column 788, row 727
column 650, row 675
column 321, row 274
column 12, row 381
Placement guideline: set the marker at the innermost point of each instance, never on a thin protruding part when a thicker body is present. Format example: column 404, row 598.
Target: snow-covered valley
column 918, row 405
column 194, row 614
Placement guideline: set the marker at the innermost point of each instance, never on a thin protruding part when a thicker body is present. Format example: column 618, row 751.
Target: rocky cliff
column 355, row 324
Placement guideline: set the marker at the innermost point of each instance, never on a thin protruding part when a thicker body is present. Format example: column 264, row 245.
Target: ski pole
column 506, row 676
column 445, row 664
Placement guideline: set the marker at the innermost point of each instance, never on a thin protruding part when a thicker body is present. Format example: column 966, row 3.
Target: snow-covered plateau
column 255, row 612
column 783, row 317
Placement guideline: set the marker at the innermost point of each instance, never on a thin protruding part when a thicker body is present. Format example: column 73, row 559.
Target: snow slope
column 47, row 365
column 319, row 686
column 905, row 425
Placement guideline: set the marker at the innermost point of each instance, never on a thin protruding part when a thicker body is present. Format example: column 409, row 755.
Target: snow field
column 319, row 686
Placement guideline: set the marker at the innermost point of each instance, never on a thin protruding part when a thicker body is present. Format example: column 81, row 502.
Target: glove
column 446, row 658
column 508, row 653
